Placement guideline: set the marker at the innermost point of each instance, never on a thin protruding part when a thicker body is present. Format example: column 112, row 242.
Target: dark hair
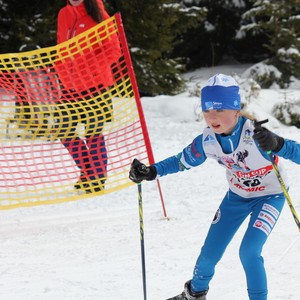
column 93, row 10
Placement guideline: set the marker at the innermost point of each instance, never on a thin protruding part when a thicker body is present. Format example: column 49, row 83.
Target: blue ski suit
column 253, row 190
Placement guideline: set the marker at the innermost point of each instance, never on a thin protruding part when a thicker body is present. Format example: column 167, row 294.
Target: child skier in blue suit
column 238, row 144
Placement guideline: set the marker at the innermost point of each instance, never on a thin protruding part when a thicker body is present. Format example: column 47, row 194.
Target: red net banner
column 71, row 121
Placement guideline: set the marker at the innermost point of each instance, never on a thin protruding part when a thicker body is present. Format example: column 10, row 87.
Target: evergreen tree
column 27, row 22
column 246, row 47
column 279, row 20
column 206, row 44
column 152, row 28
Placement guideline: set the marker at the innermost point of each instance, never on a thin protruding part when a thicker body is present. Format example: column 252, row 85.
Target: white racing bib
column 248, row 173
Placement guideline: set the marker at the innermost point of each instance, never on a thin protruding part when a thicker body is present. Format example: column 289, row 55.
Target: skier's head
column 75, row 2
column 92, row 8
column 221, row 92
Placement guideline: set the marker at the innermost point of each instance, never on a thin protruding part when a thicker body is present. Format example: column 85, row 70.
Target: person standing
column 86, row 78
column 240, row 145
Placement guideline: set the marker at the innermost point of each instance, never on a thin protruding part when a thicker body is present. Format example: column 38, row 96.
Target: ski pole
column 142, row 239
column 281, row 182
column 284, row 189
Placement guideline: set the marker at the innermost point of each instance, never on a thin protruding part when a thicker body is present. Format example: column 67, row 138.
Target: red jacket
column 92, row 66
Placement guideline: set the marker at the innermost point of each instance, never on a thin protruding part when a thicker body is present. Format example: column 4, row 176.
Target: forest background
column 167, row 38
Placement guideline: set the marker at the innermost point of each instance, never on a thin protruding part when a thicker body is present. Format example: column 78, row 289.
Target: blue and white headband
column 220, row 92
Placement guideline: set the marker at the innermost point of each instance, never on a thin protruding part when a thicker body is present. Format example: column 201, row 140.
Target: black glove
column 139, row 172
column 267, row 140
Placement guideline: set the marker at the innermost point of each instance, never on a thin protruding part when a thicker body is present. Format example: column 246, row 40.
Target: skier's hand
column 267, row 140
column 139, row 172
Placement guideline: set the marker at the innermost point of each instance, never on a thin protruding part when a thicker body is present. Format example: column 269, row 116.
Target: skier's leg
column 98, row 157
column 67, row 118
column 97, row 151
column 79, row 152
column 263, row 219
column 230, row 215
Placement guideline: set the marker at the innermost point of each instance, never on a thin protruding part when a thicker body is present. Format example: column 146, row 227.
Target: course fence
column 71, row 121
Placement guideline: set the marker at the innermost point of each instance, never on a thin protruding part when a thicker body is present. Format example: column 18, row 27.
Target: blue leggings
column 89, row 154
column 264, row 212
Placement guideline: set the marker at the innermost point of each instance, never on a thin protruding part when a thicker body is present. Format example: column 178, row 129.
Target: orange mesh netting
column 70, row 120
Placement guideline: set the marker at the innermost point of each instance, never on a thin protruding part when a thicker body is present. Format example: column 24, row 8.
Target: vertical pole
column 131, row 74
column 142, row 239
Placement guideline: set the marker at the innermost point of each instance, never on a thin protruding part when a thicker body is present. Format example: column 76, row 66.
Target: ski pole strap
column 284, row 189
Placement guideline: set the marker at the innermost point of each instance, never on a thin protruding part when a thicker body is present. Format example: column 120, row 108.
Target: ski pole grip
column 259, row 123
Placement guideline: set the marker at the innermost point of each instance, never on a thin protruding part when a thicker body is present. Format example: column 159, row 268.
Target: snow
column 90, row 249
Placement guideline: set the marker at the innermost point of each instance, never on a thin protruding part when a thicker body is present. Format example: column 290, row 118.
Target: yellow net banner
column 70, row 119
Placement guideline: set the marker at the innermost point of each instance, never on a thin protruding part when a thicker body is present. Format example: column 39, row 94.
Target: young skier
column 238, row 144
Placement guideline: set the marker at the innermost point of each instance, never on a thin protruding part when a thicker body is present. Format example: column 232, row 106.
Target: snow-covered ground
column 90, row 249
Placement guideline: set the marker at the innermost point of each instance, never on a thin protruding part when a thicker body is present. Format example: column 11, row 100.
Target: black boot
column 188, row 295
column 89, row 186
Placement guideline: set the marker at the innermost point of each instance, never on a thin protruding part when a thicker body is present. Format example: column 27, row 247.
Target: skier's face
column 221, row 121
column 75, row 2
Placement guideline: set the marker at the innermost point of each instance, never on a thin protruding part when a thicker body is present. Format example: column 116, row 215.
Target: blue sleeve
column 191, row 156
column 290, row 150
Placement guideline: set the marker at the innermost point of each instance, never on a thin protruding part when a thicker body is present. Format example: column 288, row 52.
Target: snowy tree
column 279, row 20
column 152, row 28
column 32, row 21
column 207, row 43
